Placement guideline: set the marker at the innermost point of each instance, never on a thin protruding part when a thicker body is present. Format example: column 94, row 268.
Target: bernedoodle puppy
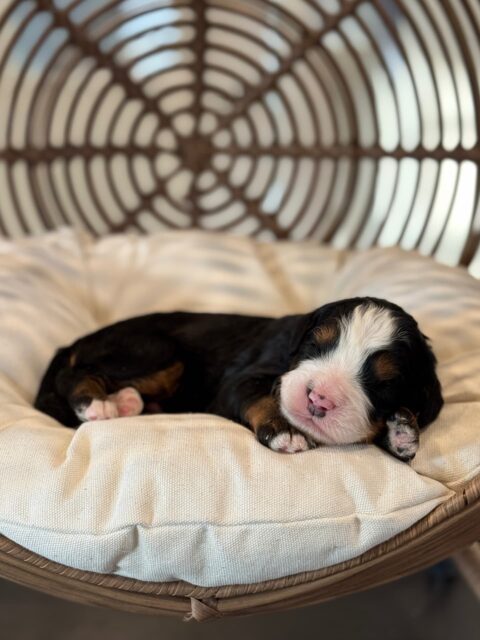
column 356, row 370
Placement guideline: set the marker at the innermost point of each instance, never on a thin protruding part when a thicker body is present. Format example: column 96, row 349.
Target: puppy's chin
column 348, row 422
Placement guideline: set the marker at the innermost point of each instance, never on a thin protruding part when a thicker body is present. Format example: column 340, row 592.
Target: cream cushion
column 195, row 497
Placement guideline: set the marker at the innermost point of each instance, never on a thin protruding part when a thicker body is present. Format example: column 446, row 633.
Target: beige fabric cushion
column 195, row 497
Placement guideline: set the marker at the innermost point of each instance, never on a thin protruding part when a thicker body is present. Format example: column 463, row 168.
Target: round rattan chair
column 351, row 122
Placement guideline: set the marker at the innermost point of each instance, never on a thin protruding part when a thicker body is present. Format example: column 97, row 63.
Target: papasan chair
column 254, row 156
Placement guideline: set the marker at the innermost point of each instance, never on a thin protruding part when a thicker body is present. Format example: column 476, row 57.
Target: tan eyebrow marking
column 326, row 333
column 384, row 367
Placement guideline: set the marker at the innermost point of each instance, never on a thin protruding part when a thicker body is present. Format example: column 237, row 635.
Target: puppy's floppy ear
column 298, row 331
column 431, row 401
column 283, row 341
column 429, row 391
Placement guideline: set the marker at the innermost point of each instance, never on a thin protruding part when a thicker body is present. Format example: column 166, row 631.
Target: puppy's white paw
column 287, row 442
column 100, row 410
column 126, row 402
column 403, row 435
column 129, row 402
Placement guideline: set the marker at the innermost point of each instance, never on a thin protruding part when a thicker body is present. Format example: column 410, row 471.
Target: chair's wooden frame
column 451, row 526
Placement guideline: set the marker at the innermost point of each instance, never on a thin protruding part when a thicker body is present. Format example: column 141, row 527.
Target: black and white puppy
column 353, row 371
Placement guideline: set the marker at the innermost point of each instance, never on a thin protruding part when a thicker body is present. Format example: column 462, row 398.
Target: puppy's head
column 357, row 362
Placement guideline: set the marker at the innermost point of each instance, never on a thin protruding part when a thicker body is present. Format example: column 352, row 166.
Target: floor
column 435, row 605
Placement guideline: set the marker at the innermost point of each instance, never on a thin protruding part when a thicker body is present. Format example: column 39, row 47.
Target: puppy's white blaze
column 368, row 329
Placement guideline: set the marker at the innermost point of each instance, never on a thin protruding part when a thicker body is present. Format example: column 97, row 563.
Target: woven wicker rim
column 339, row 169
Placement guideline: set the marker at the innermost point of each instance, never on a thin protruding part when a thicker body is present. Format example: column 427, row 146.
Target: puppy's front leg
column 264, row 418
column 251, row 400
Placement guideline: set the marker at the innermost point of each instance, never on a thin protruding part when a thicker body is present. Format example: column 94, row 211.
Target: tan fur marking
column 376, row 428
column 91, row 387
column 261, row 411
column 73, row 359
column 162, row 383
column 325, row 333
column 385, row 367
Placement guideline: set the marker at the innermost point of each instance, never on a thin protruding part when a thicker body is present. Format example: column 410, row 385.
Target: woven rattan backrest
column 351, row 122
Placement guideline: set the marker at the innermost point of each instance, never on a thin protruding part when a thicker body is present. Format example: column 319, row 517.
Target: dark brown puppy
column 357, row 370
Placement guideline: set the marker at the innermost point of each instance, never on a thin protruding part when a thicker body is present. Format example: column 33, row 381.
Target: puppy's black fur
column 228, row 364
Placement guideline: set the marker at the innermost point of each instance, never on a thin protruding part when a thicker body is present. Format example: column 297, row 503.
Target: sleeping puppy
column 357, row 370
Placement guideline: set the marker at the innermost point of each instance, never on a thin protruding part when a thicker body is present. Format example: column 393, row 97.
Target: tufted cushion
column 195, row 497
